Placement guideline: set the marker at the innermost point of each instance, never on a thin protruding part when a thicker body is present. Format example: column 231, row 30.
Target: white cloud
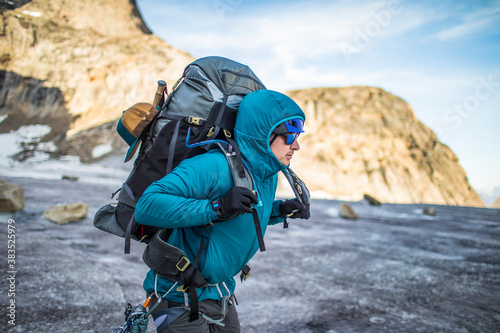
column 472, row 23
column 291, row 37
column 297, row 45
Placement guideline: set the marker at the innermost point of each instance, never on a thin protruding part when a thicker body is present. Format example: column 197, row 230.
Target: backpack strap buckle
column 183, row 264
column 182, row 289
column 195, row 120
column 245, row 273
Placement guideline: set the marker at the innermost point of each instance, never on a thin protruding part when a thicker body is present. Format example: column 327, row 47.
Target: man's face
column 282, row 151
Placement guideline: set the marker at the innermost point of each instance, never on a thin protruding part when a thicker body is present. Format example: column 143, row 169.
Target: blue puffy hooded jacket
column 181, row 200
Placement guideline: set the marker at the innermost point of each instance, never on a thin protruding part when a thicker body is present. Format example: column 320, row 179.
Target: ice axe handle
column 159, row 93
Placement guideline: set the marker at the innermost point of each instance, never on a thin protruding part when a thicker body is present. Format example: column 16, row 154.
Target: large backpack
column 199, row 113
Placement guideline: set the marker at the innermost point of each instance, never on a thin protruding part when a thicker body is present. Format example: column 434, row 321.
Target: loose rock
column 347, row 212
column 371, row 200
column 430, row 211
column 70, row 178
column 63, row 214
column 11, row 197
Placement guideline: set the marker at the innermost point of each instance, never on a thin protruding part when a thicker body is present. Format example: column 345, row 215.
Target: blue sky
column 441, row 57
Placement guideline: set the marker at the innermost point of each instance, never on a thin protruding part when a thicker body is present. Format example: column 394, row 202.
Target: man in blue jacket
column 200, row 190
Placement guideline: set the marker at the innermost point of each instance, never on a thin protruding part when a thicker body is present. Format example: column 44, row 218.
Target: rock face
column 86, row 61
column 366, row 140
column 496, row 204
column 11, row 197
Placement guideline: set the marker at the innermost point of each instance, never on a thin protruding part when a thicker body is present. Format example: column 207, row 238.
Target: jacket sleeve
column 182, row 198
column 275, row 213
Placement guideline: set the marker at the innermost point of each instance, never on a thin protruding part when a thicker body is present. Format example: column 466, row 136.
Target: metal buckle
column 211, row 132
column 244, row 276
column 194, row 120
column 182, row 289
column 182, row 264
column 245, row 273
column 227, row 134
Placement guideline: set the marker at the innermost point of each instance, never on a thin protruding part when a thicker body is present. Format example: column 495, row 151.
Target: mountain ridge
column 76, row 65
column 366, row 140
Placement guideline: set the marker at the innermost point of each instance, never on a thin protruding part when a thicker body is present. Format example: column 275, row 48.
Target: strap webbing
column 171, row 150
column 127, row 235
column 258, row 229
column 221, row 111
column 128, row 232
column 128, row 190
column 193, row 314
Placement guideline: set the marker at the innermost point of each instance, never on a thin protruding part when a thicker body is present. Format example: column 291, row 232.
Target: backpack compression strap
column 258, row 230
column 193, row 279
column 131, row 222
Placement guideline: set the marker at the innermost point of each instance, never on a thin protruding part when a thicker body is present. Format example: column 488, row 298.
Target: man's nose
column 295, row 145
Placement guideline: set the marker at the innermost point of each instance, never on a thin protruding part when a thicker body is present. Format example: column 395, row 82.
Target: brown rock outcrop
column 496, row 203
column 366, row 140
column 99, row 55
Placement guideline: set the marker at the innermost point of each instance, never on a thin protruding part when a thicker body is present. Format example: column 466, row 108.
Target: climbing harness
column 225, row 301
column 136, row 318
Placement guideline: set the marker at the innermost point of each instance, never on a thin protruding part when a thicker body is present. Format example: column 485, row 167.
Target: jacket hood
column 258, row 115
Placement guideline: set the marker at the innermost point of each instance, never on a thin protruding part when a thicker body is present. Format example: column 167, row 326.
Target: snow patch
column 102, row 150
column 30, row 13
column 12, row 143
column 66, row 165
column 333, row 212
column 322, row 195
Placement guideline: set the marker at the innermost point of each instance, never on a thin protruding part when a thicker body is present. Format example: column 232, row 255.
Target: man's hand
column 236, row 200
column 294, row 209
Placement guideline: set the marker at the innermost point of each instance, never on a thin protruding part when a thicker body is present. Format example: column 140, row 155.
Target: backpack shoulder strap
column 240, row 174
column 242, row 177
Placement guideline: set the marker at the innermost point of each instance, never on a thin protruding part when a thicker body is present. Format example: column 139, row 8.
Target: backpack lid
column 132, row 123
column 231, row 77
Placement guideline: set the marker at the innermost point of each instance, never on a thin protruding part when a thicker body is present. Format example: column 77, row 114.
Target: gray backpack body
column 199, row 114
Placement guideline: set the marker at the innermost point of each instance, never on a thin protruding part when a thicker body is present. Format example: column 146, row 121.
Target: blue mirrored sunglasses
column 290, row 137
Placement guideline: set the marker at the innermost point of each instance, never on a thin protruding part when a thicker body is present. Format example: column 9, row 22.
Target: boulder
column 430, row 211
column 11, row 197
column 371, row 200
column 347, row 212
column 63, row 214
column 70, row 178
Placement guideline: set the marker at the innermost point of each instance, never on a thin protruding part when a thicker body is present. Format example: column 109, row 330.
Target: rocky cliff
column 75, row 65
column 366, row 140
column 496, row 204
column 85, row 60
